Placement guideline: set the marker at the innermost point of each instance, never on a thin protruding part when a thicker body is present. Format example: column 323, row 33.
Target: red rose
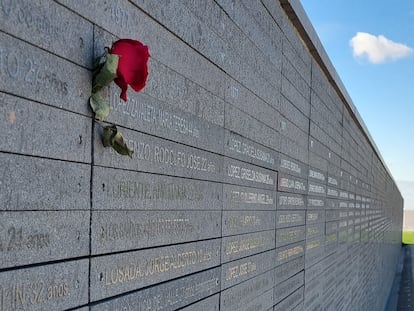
column 133, row 64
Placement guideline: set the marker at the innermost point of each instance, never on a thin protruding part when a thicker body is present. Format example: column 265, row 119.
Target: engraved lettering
column 289, row 218
column 343, row 194
column 36, row 293
column 251, row 197
column 292, row 184
column 170, row 156
column 250, row 151
column 330, row 238
column 56, row 291
column 316, row 175
column 240, row 270
column 155, row 115
column 19, row 240
column 171, row 297
column 342, row 224
column 333, row 192
column 153, row 266
column 13, row 66
column 291, row 201
column 316, row 202
column 234, row 91
column 135, row 230
column 30, row 70
column 119, row 16
column 332, row 181
column 249, row 174
column 291, row 166
column 313, row 216
column 23, row 296
column 237, row 246
column 20, row 296
column 289, row 235
column 343, row 204
column 290, row 252
column 316, row 189
column 143, row 151
column 7, row 6
column 313, row 244
column 233, row 171
column 15, row 239
column 313, row 231
column 10, row 64
column 129, row 189
column 243, row 221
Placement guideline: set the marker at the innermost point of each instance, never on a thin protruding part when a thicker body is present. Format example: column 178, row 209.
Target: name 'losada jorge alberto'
column 154, row 266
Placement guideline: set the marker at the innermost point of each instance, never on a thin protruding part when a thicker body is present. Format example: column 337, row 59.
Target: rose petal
column 124, row 87
column 133, row 64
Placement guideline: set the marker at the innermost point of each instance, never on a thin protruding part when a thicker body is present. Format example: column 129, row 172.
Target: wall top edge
column 300, row 20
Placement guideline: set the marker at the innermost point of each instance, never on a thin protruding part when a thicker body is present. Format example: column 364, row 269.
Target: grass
column 408, row 237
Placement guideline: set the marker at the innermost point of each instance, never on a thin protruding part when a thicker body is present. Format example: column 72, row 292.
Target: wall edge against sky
column 307, row 32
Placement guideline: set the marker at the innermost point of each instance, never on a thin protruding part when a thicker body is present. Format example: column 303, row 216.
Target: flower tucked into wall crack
column 125, row 63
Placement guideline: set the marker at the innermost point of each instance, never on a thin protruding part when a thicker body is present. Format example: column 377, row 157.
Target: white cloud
column 378, row 49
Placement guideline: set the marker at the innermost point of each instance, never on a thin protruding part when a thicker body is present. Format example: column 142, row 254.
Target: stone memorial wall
column 254, row 184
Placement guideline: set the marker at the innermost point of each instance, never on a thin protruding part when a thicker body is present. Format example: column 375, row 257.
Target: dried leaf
column 112, row 137
column 109, row 133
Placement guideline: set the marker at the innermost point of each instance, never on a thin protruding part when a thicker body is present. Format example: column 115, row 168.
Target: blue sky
column 371, row 45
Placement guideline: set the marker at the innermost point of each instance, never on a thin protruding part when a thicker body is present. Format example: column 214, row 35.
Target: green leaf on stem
column 99, row 106
column 106, row 74
column 113, row 138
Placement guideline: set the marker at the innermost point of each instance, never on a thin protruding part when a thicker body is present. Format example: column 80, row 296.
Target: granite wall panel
column 25, row 72
column 27, row 130
column 26, row 20
column 235, row 297
column 40, row 184
column 170, row 295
